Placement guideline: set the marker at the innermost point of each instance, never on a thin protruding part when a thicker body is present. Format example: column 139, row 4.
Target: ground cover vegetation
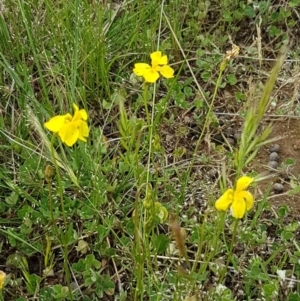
column 149, row 150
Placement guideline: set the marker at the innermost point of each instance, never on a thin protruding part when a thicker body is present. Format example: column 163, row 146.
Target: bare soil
column 287, row 130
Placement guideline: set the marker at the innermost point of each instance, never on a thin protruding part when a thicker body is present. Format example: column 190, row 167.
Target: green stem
column 63, row 239
column 207, row 119
column 200, row 243
column 75, row 58
column 229, row 257
column 145, row 98
column 53, row 221
column 209, row 254
column 61, row 193
column 137, row 248
column 144, row 224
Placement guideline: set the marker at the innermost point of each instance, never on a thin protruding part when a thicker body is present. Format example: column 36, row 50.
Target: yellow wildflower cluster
column 70, row 129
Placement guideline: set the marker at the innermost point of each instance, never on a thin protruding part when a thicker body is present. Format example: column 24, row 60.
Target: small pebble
column 212, row 173
column 222, row 120
column 229, row 132
column 231, row 141
column 273, row 164
column 278, row 188
column 275, row 148
column 218, row 138
column 274, row 157
column 237, row 136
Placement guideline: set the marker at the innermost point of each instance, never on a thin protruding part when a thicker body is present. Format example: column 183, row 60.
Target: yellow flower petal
column 155, row 56
column 83, row 114
column 155, row 66
column 79, row 114
column 69, row 134
column 75, row 107
column 247, row 197
column 57, row 122
column 166, row 71
column 83, row 131
column 2, row 279
column 158, row 59
column 163, row 60
column 223, row 203
column 140, row 68
column 151, row 76
column 243, row 183
column 238, row 208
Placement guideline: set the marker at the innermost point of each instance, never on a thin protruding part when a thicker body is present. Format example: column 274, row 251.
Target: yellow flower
column 239, row 199
column 2, row 279
column 159, row 66
column 70, row 128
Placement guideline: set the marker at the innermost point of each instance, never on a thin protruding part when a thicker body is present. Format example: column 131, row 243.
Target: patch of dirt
column 287, row 130
column 180, row 138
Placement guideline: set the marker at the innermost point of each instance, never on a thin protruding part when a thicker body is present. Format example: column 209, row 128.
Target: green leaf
column 270, row 289
column 32, row 283
column 108, row 284
column 294, row 3
column 188, row 91
column 250, row 12
column 283, row 211
column 206, row 75
column 240, row 96
column 287, row 235
column 274, row 31
column 79, row 266
column 160, row 243
column 102, row 233
column 289, row 161
column 12, row 199
column 293, row 297
column 59, row 292
column 231, row 79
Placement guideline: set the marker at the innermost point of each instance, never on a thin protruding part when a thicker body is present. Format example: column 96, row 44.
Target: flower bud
column 49, row 172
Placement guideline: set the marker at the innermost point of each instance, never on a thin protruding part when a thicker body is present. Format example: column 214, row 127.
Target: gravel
column 237, row 136
column 278, row 188
column 274, row 157
column 218, row 138
column 273, row 164
column 231, row 141
column 275, row 148
column 229, row 132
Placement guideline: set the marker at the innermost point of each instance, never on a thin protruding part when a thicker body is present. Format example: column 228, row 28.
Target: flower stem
column 207, row 119
column 229, row 257
column 63, row 237
column 145, row 98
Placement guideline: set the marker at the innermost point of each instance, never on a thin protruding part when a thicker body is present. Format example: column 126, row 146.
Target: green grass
column 129, row 215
